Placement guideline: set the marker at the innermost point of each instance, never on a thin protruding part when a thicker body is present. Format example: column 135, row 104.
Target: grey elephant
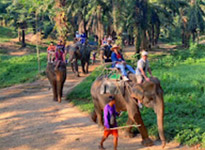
column 150, row 94
column 80, row 52
column 105, row 54
column 57, row 79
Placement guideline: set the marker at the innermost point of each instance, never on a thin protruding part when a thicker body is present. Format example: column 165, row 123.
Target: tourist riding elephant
column 57, row 79
column 150, row 94
column 105, row 54
column 80, row 52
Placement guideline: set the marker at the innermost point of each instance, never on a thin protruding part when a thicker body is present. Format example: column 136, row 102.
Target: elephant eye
column 151, row 98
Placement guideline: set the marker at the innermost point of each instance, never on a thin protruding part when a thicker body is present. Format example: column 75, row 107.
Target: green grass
column 6, row 34
column 182, row 76
column 19, row 69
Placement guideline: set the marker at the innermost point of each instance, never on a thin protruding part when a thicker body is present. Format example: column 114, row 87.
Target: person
column 77, row 35
column 61, row 46
column 104, row 40
column 110, row 122
column 58, row 57
column 119, row 62
column 94, row 57
column 51, row 52
column 142, row 68
column 83, row 38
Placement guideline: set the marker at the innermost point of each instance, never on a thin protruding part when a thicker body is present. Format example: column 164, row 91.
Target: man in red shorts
column 110, row 122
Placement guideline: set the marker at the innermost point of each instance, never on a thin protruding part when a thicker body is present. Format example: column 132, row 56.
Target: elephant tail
column 93, row 116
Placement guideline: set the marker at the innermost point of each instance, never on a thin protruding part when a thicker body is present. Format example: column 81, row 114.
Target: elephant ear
column 137, row 92
column 149, row 87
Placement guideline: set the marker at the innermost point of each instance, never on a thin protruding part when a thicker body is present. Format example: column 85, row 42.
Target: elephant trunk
column 59, row 86
column 71, row 56
column 159, row 109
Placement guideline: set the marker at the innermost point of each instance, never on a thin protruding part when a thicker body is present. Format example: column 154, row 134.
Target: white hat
column 144, row 53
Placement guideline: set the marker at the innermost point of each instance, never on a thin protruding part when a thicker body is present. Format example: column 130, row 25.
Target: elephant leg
column 54, row 87
column 98, row 114
column 87, row 66
column 94, row 116
column 135, row 116
column 83, row 66
column 128, row 132
column 72, row 67
column 76, row 68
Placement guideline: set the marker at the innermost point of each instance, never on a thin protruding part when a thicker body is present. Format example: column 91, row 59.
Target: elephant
column 57, row 79
column 150, row 94
column 105, row 52
column 80, row 52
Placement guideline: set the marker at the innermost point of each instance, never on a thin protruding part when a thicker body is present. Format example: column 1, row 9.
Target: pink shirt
column 59, row 56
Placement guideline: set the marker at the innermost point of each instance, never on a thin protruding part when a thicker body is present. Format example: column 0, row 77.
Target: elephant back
column 50, row 69
column 112, row 87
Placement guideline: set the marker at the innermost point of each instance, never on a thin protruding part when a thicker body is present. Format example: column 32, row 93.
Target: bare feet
column 101, row 147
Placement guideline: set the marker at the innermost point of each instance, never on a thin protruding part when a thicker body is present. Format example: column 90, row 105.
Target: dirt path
column 29, row 120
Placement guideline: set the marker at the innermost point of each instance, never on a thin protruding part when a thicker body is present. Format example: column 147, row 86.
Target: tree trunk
column 23, row 44
column 144, row 43
column 61, row 20
column 137, row 41
column 19, row 35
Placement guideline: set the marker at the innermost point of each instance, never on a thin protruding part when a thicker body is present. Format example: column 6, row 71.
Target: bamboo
column 128, row 126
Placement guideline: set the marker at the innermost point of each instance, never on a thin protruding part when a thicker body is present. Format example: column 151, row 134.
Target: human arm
column 150, row 72
column 106, row 121
column 144, row 75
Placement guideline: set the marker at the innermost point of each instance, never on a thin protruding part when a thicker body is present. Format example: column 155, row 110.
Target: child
column 94, row 57
column 51, row 52
column 59, row 57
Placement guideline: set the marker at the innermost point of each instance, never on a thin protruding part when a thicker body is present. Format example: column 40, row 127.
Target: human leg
column 139, row 79
column 102, row 141
column 57, row 64
column 105, row 136
column 115, row 142
column 130, row 69
column 122, row 69
column 48, row 57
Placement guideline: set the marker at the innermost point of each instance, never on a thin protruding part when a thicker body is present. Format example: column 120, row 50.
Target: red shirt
column 119, row 56
column 51, row 48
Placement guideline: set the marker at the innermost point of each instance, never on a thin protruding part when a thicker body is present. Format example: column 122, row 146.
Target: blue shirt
column 108, row 112
column 115, row 59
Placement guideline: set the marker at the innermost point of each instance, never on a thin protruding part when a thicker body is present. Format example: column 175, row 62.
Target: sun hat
column 115, row 47
column 144, row 53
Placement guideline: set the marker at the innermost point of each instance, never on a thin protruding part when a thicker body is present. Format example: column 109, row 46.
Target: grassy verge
column 7, row 34
column 19, row 69
column 182, row 79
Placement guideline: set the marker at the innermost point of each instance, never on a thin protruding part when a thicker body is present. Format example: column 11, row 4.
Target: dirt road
column 30, row 120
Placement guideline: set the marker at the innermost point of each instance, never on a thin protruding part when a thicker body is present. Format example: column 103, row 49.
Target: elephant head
column 57, row 79
column 150, row 94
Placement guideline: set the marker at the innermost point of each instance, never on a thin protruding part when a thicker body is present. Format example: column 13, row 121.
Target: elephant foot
column 147, row 142
column 59, row 100
column 129, row 134
column 93, row 117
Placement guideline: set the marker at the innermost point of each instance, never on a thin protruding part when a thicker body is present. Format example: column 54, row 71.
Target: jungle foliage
column 141, row 22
